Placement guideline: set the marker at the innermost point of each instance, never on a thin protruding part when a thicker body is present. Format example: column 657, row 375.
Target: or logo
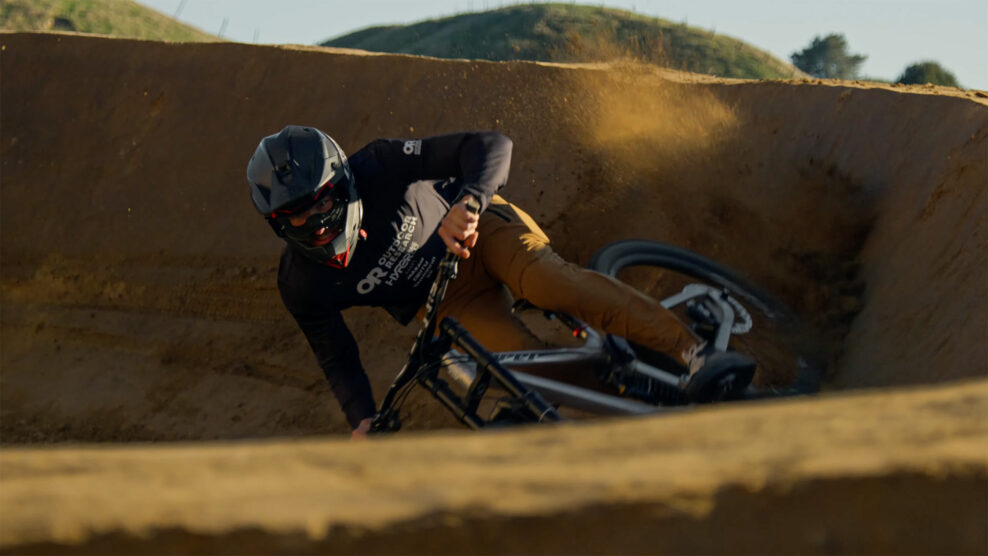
column 413, row 147
column 373, row 278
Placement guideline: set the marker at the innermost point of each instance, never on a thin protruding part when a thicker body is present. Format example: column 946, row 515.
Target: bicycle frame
column 592, row 353
column 596, row 352
column 714, row 305
column 422, row 365
column 715, row 315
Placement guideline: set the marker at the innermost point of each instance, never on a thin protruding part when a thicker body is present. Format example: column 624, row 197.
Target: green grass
column 549, row 32
column 120, row 18
column 572, row 33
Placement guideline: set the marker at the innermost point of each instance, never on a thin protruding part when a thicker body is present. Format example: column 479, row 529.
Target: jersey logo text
column 373, row 278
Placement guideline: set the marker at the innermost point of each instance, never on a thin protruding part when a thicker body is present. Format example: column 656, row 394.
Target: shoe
column 717, row 375
column 696, row 355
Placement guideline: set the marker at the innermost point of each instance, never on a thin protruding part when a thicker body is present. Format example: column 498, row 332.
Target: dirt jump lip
column 832, row 471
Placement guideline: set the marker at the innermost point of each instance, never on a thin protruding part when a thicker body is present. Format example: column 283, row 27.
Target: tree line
column 828, row 57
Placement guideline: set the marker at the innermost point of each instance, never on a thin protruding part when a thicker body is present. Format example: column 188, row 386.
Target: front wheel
column 722, row 308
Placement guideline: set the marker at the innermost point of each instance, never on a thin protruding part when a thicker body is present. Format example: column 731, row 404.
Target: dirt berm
column 139, row 304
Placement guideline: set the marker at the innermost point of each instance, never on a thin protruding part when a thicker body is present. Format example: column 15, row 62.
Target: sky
column 892, row 33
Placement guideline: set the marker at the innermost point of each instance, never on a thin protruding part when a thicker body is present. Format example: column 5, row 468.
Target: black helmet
column 291, row 171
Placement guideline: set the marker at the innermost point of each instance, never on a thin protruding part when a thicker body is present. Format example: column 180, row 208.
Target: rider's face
column 324, row 235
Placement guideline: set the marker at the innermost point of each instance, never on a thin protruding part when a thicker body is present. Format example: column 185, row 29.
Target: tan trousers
column 512, row 260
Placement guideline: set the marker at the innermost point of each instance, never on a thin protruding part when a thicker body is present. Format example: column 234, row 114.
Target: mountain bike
column 484, row 389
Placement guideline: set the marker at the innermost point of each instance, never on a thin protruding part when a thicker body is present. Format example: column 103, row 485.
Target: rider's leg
column 515, row 251
column 483, row 306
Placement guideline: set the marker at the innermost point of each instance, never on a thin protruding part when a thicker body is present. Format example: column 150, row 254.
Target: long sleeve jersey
column 407, row 187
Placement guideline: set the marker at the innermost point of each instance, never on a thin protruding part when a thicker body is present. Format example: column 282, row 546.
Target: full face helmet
column 291, row 173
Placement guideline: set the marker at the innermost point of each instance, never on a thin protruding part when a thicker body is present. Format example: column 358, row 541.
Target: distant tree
column 927, row 72
column 828, row 57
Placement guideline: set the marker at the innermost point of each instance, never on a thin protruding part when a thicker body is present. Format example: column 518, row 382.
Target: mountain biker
column 371, row 230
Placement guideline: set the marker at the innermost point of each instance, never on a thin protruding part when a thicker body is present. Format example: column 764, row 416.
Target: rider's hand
column 459, row 228
column 360, row 433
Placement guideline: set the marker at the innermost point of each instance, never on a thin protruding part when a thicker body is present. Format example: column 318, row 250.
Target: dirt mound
column 135, row 270
column 828, row 476
column 138, row 291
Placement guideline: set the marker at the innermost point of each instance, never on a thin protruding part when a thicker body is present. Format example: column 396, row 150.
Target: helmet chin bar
column 340, row 261
column 339, row 251
column 325, row 254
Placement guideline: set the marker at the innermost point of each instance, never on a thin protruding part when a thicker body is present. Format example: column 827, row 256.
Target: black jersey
column 407, row 187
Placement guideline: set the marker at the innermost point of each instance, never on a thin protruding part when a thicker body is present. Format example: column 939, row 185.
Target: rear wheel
column 761, row 326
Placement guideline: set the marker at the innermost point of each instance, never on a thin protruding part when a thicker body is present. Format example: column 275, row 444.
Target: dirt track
column 138, row 296
column 829, row 476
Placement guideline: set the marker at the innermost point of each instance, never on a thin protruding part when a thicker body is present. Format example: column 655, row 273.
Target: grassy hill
column 120, row 18
column 572, row 33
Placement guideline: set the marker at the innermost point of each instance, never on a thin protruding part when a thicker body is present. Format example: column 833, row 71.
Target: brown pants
column 512, row 260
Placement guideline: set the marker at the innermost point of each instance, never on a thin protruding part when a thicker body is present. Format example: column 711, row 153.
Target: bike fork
column 487, row 363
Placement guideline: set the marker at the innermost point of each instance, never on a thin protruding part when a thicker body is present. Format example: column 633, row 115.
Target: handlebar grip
column 473, row 207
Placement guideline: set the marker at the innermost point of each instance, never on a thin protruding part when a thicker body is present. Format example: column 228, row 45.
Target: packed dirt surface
column 825, row 476
column 138, row 284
